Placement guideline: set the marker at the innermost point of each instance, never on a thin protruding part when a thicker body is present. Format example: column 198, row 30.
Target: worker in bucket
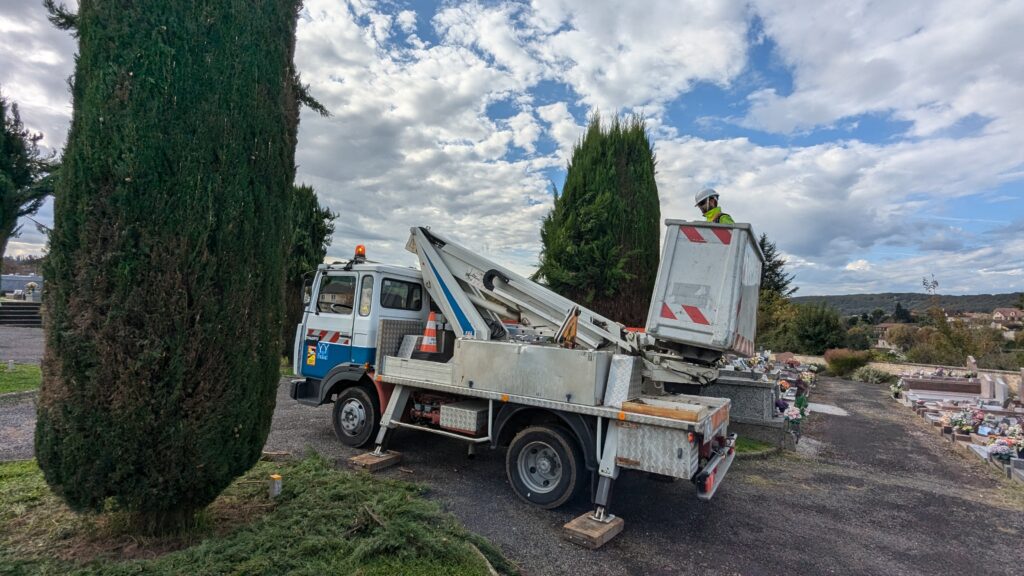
column 707, row 201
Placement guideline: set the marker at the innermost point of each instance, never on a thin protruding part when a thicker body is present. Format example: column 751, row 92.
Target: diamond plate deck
column 655, row 449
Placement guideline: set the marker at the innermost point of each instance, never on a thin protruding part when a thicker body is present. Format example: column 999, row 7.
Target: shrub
column 872, row 375
column 842, row 361
column 816, row 329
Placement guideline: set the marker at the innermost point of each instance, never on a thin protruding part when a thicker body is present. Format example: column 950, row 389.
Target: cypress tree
column 773, row 274
column 601, row 240
column 167, row 257
column 312, row 227
column 25, row 174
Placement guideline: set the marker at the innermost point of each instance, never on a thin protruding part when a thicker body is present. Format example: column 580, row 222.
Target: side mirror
column 307, row 290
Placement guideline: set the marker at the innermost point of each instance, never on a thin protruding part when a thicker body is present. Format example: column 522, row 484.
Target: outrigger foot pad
column 587, row 531
column 372, row 461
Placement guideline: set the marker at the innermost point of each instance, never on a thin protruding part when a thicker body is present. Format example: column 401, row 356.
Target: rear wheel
column 356, row 417
column 544, row 466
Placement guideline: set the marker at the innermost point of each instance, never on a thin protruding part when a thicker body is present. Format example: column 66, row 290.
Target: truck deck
column 700, row 414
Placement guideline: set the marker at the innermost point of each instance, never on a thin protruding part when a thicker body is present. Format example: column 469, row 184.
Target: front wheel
column 544, row 466
column 356, row 417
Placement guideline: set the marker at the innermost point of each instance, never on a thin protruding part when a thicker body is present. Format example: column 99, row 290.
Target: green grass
column 325, row 522
column 747, row 445
column 23, row 377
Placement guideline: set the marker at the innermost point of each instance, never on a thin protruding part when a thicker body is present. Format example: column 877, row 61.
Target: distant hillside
column 860, row 303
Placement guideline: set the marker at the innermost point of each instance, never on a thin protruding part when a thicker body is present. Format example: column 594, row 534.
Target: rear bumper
column 711, row 476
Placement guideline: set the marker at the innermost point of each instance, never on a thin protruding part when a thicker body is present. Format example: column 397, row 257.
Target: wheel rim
column 540, row 467
column 353, row 417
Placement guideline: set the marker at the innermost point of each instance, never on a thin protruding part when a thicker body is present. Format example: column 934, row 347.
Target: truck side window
column 337, row 294
column 366, row 296
column 401, row 295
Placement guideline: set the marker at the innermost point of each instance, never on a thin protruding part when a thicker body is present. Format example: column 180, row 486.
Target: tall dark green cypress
column 311, row 229
column 167, row 257
column 601, row 240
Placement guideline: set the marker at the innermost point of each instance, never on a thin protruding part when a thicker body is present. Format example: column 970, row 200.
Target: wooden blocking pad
column 591, row 533
column 372, row 462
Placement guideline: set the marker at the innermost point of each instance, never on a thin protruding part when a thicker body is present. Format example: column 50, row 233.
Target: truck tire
column 356, row 417
column 545, row 466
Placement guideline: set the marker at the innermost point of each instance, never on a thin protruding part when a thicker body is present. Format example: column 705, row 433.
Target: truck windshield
column 337, row 294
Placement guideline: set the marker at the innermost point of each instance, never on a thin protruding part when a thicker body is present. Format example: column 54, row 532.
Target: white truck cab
column 336, row 342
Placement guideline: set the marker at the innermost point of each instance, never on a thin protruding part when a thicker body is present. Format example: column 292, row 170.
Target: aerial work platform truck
column 467, row 349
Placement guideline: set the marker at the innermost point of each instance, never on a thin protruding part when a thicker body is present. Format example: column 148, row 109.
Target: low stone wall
column 1012, row 379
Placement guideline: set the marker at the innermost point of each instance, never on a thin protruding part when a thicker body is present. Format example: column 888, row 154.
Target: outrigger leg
column 594, row 529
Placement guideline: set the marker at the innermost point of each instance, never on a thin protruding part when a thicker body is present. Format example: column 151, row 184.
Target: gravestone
column 1002, row 391
column 987, row 386
column 972, row 364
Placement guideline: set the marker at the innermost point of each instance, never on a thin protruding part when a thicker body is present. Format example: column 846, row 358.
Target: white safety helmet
column 704, row 195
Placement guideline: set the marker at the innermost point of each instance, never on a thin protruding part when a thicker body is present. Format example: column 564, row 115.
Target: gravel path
column 17, row 425
column 23, row 345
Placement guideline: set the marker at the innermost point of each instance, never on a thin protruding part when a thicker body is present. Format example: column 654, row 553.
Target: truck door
column 328, row 338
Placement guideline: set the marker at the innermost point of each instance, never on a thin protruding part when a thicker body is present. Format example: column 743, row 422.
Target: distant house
column 1008, row 315
column 882, row 328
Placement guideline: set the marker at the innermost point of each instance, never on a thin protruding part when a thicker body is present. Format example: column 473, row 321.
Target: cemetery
column 980, row 415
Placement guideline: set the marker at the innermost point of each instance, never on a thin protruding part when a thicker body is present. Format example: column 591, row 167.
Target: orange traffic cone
column 429, row 343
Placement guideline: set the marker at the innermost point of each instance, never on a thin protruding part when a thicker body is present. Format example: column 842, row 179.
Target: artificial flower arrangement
column 792, row 413
column 962, row 422
column 977, row 417
column 1003, row 448
column 896, row 388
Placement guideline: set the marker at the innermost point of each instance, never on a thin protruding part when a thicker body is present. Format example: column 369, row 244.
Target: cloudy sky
column 875, row 142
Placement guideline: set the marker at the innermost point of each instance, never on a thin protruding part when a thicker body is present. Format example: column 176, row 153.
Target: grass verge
column 324, row 522
column 746, row 445
column 23, row 377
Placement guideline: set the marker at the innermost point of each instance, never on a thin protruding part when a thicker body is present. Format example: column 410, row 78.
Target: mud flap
column 710, row 477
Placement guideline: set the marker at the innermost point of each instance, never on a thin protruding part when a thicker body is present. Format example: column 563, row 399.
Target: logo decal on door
column 321, row 350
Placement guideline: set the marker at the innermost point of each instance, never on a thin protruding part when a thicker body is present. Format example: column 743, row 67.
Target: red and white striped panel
column 707, row 235
column 743, row 345
column 327, row 336
column 692, row 312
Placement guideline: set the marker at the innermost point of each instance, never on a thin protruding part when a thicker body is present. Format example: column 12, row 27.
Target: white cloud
column 932, row 63
column 406, row 20
column 410, row 142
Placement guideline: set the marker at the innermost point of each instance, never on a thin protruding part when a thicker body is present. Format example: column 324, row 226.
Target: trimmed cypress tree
column 167, row 257
column 601, row 240
column 312, row 227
